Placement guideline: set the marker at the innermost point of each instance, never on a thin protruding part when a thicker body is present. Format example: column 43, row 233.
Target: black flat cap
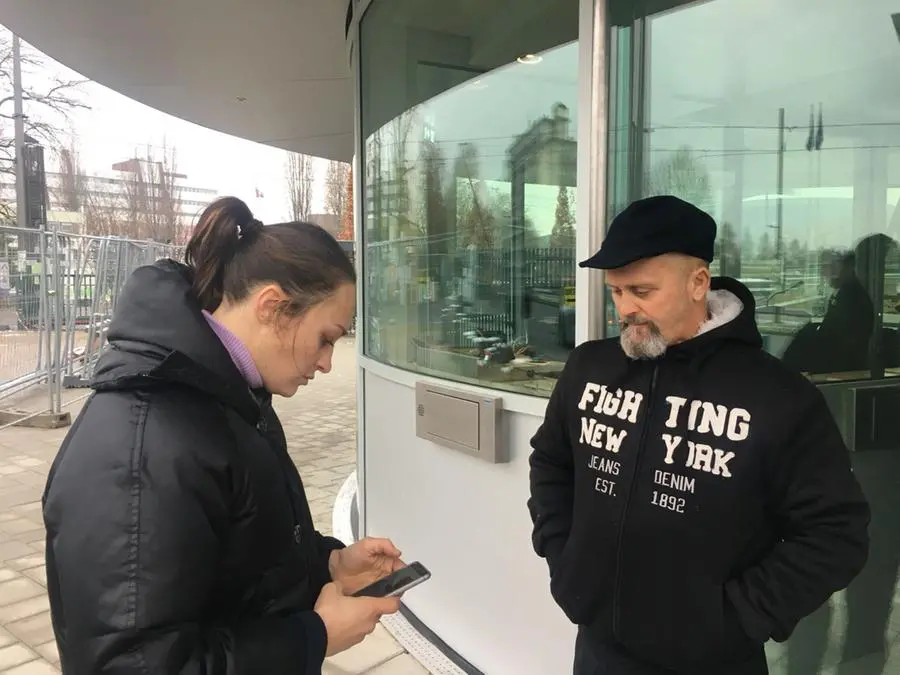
column 655, row 226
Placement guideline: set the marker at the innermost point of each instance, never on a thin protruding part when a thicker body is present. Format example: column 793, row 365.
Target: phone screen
column 396, row 583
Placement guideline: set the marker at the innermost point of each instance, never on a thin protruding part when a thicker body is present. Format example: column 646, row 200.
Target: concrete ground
column 320, row 424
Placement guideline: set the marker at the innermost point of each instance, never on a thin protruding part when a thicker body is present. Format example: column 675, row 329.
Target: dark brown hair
column 231, row 252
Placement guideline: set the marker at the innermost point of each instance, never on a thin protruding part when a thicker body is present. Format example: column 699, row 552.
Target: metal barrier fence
column 57, row 293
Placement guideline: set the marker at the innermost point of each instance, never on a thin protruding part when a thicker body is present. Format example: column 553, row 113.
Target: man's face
column 660, row 301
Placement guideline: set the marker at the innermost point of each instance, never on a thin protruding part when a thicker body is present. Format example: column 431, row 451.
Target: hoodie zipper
column 631, row 489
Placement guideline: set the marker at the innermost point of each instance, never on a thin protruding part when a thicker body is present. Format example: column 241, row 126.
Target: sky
column 116, row 128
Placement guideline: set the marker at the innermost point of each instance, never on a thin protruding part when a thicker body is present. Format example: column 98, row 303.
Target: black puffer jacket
column 179, row 537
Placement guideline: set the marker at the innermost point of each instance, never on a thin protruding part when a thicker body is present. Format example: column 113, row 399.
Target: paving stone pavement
column 320, row 424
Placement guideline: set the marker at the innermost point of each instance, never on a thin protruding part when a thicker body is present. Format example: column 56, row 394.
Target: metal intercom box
column 460, row 420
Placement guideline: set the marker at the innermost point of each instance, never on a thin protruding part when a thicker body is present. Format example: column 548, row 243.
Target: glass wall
column 469, row 153
column 782, row 119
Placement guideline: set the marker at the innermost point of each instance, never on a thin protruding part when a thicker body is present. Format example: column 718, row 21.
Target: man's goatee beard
column 649, row 348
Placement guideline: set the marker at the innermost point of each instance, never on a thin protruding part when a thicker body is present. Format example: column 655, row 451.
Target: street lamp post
column 19, row 118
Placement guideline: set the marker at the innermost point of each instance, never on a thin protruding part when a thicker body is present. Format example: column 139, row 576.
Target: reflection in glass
column 470, row 191
column 781, row 119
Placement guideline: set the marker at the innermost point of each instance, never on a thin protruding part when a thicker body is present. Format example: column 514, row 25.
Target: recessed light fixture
column 529, row 59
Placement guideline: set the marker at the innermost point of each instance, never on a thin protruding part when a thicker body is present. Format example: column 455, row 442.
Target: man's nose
column 625, row 308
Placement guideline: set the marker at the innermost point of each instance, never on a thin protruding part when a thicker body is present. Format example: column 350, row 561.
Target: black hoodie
column 179, row 538
column 692, row 507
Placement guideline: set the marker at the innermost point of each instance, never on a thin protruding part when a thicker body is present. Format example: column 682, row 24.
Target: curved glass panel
column 469, row 124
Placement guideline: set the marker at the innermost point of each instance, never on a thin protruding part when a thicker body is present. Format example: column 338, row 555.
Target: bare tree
column 152, row 196
column 102, row 207
column 299, row 174
column 476, row 222
column 336, row 188
column 48, row 103
column 680, row 174
column 104, row 213
column 70, row 191
column 391, row 164
column 401, row 168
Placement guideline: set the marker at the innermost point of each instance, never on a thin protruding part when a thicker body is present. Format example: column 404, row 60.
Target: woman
column 179, row 537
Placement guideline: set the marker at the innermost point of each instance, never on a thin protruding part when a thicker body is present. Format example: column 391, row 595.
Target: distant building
column 546, row 153
column 114, row 194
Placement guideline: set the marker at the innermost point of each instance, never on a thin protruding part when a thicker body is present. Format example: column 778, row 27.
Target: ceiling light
column 529, row 59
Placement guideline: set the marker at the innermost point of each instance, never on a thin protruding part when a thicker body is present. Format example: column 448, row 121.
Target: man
column 691, row 494
column 840, row 342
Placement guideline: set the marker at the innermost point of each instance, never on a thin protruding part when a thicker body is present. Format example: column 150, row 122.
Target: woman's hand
column 348, row 620
column 363, row 563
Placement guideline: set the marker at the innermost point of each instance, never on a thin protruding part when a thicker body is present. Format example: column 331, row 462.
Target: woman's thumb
column 388, row 605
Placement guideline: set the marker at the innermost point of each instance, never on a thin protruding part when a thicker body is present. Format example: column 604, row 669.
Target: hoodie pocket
column 691, row 627
column 581, row 581
column 734, row 638
column 568, row 590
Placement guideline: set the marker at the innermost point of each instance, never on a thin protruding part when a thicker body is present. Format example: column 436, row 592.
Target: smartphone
column 396, row 583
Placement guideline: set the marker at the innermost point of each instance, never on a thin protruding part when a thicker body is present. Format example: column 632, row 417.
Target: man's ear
column 700, row 282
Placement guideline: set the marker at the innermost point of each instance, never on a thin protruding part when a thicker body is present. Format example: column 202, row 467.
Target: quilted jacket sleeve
column 148, row 523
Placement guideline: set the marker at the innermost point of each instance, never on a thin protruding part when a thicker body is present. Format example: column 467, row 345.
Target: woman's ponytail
column 225, row 227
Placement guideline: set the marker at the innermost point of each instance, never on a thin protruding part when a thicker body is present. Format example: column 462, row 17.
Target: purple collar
column 237, row 351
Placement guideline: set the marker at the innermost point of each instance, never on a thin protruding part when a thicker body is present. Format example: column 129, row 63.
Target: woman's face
column 290, row 351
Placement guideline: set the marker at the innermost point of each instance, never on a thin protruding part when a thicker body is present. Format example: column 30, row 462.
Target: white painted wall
column 467, row 521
